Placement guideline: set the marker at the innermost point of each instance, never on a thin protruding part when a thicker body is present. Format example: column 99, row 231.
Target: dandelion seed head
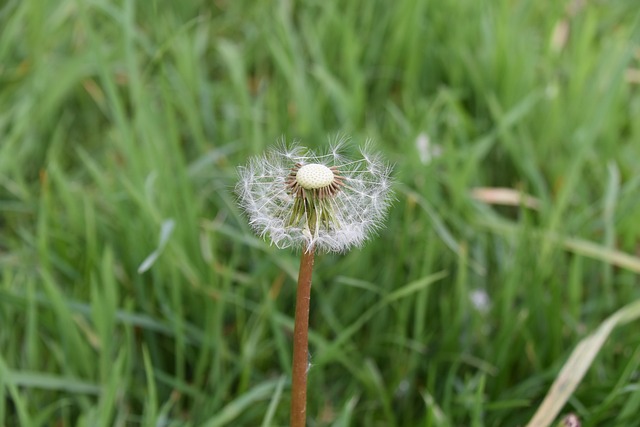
column 314, row 176
column 298, row 198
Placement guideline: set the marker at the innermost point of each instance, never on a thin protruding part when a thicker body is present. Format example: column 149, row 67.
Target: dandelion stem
column 301, row 341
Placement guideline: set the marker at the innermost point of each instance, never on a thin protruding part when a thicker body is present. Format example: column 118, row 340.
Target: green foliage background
column 119, row 119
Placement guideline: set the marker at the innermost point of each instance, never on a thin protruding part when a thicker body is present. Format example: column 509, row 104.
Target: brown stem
column 301, row 341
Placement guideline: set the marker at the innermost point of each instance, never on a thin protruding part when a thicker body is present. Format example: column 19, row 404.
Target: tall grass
column 121, row 123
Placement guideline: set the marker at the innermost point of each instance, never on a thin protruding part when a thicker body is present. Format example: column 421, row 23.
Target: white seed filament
column 313, row 176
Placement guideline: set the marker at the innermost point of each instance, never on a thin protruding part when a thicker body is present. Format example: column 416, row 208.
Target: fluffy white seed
column 357, row 210
column 314, row 176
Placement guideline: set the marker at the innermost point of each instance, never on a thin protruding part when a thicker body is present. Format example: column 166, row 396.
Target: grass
column 132, row 291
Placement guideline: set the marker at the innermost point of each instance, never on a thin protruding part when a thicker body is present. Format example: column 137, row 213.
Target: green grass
column 119, row 119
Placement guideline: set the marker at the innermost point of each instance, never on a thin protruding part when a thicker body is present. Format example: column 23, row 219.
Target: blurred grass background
column 122, row 122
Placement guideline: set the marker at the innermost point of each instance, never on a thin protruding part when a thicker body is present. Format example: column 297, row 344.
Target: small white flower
column 426, row 150
column 480, row 300
column 324, row 201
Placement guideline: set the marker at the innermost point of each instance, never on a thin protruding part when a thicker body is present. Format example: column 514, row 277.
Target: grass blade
column 577, row 365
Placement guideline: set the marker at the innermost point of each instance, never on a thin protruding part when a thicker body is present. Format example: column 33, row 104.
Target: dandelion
column 323, row 202
column 301, row 199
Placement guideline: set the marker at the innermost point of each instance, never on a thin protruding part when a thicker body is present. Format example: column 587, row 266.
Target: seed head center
column 314, row 175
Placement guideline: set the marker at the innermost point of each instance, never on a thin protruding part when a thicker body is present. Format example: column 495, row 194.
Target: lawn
column 134, row 293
